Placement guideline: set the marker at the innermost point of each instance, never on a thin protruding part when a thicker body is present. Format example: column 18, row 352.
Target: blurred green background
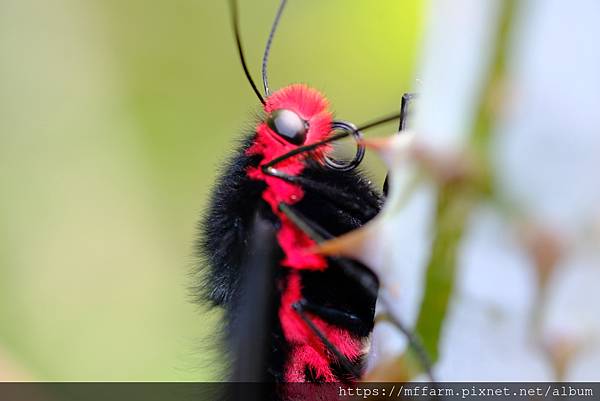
column 114, row 116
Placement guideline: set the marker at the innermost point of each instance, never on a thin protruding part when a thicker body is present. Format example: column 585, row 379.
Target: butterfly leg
column 332, row 195
column 334, row 316
column 303, row 306
column 319, row 234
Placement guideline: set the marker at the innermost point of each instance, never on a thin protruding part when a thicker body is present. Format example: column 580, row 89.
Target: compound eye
column 288, row 125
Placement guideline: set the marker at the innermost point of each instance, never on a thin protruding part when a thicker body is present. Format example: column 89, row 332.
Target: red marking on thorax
column 312, row 107
column 307, row 350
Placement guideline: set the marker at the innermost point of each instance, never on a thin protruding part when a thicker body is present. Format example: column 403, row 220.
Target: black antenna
column 379, row 121
column 236, row 30
column 403, row 115
column 268, row 46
